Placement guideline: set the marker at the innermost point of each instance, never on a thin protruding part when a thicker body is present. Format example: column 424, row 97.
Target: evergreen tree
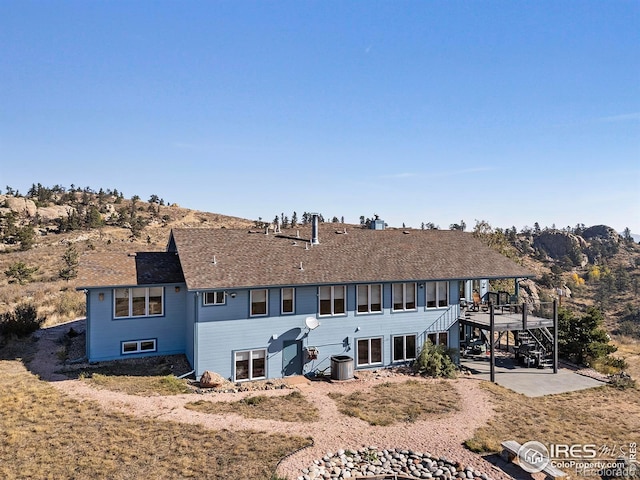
column 70, row 267
column 20, row 272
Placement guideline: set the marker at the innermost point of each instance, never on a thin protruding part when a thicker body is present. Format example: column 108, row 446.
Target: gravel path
column 441, row 437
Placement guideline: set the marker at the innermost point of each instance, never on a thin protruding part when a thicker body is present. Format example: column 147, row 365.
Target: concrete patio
column 532, row 382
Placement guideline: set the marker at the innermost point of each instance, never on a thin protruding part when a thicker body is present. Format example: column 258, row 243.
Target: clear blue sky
column 508, row 111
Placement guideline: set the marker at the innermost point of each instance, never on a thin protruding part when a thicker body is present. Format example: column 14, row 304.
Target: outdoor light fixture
column 101, row 296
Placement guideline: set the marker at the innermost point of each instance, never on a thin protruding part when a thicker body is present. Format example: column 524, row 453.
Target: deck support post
column 492, row 329
column 524, row 316
column 555, row 336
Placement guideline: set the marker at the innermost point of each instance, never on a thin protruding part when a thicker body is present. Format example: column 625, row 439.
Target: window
column 437, row 294
column 369, row 351
column 439, row 338
column 250, row 365
column 404, row 348
column 332, row 300
column 258, row 302
column 369, row 298
column 214, row 298
column 288, row 301
column 138, row 302
column 404, row 296
column 139, row 346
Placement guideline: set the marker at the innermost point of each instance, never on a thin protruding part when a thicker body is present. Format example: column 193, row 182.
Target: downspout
column 195, row 333
column 86, row 323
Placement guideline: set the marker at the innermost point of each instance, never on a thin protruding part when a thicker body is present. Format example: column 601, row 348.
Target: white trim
column 129, row 296
column 404, row 358
column 332, row 299
column 139, row 346
column 293, row 301
column 404, row 297
column 437, row 337
column 438, row 300
column 215, row 294
column 369, row 297
column 369, row 362
column 266, row 302
column 250, row 358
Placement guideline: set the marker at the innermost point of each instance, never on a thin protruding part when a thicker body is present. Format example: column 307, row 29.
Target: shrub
column 22, row 321
column 20, row 272
column 435, row 361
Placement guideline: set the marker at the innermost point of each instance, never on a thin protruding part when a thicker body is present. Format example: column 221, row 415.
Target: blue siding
column 224, row 329
column 105, row 334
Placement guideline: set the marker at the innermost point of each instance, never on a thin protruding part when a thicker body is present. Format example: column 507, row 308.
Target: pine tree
column 70, row 268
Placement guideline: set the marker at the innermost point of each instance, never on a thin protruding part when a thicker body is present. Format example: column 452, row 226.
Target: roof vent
column 214, row 260
column 131, row 254
column 314, row 229
column 301, row 268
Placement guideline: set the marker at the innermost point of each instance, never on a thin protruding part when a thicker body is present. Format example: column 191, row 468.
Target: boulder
column 211, row 380
column 22, row 206
column 54, row 212
column 559, row 244
column 602, row 232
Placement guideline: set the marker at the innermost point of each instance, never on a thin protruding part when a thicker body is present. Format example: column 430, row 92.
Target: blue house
column 262, row 304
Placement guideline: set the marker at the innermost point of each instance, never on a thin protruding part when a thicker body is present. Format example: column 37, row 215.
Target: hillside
column 38, row 232
column 591, row 266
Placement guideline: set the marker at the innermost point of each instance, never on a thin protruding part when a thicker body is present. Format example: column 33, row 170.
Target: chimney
column 314, row 229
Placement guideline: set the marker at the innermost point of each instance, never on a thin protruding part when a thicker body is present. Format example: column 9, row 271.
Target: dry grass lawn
column 46, row 435
column 389, row 403
column 145, row 386
column 602, row 416
column 290, row 408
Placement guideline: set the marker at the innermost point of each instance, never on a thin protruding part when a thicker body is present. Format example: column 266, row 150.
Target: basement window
column 369, row 351
column 404, row 348
column 250, row 365
column 138, row 346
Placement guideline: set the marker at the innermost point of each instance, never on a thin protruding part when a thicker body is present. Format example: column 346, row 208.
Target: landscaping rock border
column 371, row 462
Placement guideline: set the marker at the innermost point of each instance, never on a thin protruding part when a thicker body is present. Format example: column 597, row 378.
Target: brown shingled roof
column 143, row 268
column 244, row 259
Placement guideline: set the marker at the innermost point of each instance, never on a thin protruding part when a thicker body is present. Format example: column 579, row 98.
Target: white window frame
column 146, row 302
column 216, row 294
column 405, row 357
column 439, row 302
column 138, row 344
column 369, row 288
column 332, row 299
column 250, row 366
column 266, row 302
column 293, row 301
column 404, row 297
column 437, row 335
column 369, row 362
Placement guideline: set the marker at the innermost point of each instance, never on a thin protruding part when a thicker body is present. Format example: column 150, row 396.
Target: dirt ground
column 441, row 437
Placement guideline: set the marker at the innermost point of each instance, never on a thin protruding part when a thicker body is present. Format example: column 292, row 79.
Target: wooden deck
column 504, row 321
